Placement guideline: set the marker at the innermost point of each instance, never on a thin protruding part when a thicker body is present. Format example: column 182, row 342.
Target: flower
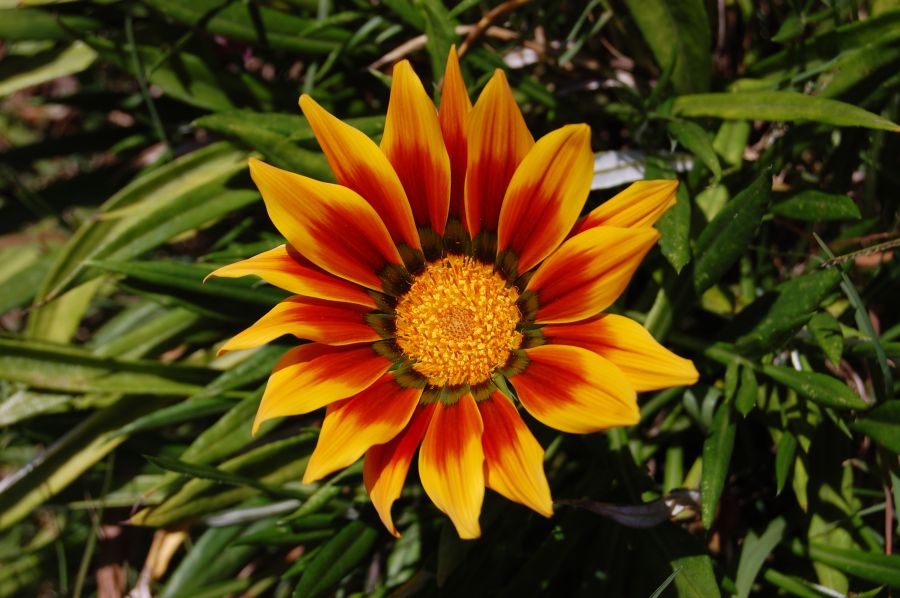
column 445, row 279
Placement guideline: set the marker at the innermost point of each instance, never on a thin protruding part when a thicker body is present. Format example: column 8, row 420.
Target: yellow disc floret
column 457, row 322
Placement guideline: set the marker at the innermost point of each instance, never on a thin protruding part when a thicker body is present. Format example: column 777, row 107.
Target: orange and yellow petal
column 414, row 145
column 454, row 112
column 285, row 268
column 575, row 390
column 386, row 465
column 513, row 459
column 497, row 141
column 588, row 272
column 546, row 194
column 312, row 319
column 312, row 376
column 354, row 425
column 451, row 464
column 336, row 229
column 360, row 165
column 646, row 364
column 640, row 206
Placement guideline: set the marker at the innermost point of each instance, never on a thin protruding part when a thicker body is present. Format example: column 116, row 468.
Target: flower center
column 458, row 322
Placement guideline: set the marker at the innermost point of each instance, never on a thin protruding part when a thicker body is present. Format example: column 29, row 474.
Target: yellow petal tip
column 309, row 477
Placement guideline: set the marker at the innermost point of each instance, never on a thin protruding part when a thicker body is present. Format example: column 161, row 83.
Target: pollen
column 457, row 322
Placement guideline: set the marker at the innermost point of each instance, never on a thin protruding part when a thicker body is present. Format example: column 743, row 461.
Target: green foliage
column 125, row 128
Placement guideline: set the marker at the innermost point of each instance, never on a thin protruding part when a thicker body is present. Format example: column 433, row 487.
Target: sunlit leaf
column 779, row 106
column 725, row 238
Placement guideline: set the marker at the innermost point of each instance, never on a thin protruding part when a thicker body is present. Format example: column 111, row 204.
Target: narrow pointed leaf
column 717, row 450
column 336, row 558
column 725, row 239
column 814, row 206
column 882, row 424
column 821, row 388
column 786, row 106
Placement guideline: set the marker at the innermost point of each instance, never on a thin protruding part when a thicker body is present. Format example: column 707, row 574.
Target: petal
column 588, row 272
column 575, row 390
column 455, row 108
column 647, row 365
column 513, row 459
column 285, row 268
column 352, row 426
column 312, row 319
column 360, row 165
column 640, row 205
column 546, row 194
column 451, row 464
column 386, row 465
column 414, row 145
column 311, row 376
column 498, row 140
column 335, row 227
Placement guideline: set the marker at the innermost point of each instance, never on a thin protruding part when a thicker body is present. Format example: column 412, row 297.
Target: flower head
column 445, row 279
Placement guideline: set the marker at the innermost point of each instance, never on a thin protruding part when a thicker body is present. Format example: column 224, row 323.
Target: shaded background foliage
column 127, row 463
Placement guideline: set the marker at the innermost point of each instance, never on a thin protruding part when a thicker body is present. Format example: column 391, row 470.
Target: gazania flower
column 446, row 280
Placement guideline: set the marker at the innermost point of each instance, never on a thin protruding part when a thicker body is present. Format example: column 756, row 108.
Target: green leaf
column 184, row 411
column 31, row 24
column 792, row 585
column 826, row 331
column 276, row 136
column 754, row 553
column 70, row 369
column 731, row 139
column 675, row 225
column 785, row 455
column 677, row 31
column 879, row 568
column 407, row 12
column 22, row 267
column 282, row 30
column 205, row 472
column 748, row 389
column 791, row 28
column 66, row 459
column 693, row 137
column 826, row 46
column 155, row 202
column 675, row 230
column 726, row 238
column 134, row 338
column 184, row 284
column 814, row 206
column 793, row 306
column 229, row 434
column 336, row 559
column 779, row 106
column 717, row 450
column 24, row 404
column 216, row 555
column 882, row 424
column 820, row 388
column 711, row 200
column 269, row 466
column 696, row 578
column 439, row 32
column 185, row 76
column 855, row 72
column 276, row 536
column 255, row 367
column 883, row 382
column 21, row 72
